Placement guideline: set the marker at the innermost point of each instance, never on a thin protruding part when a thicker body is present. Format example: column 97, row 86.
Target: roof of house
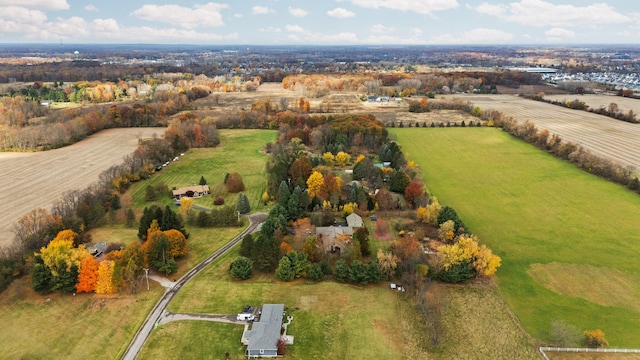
column 354, row 220
column 194, row 188
column 332, row 232
column 264, row 334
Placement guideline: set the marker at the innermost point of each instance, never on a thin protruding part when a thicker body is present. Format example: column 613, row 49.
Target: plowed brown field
column 36, row 180
column 610, row 138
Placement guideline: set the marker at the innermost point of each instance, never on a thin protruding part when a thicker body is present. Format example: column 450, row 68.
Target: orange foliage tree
column 88, row 275
column 178, row 242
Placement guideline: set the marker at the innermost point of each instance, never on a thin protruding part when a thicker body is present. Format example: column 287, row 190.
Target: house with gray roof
column 262, row 338
column 354, row 220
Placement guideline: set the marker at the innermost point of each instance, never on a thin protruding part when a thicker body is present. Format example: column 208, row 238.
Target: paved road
column 159, row 310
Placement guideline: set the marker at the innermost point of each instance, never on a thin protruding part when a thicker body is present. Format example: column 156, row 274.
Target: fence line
column 596, row 350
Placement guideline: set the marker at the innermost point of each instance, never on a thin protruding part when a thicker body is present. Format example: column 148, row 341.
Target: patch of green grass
column 531, row 208
column 70, row 327
column 239, row 151
column 331, row 320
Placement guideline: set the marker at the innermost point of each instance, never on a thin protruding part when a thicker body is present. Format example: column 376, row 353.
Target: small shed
column 354, row 220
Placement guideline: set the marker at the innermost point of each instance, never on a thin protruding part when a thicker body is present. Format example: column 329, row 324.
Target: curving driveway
column 158, row 312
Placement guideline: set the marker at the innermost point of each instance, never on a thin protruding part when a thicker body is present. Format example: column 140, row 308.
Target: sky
column 321, row 22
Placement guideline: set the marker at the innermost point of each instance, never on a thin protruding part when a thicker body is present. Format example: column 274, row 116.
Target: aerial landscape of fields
column 308, row 181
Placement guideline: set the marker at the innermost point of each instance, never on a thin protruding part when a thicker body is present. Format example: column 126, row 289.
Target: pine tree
column 170, row 220
column 203, row 181
column 283, row 193
column 285, row 271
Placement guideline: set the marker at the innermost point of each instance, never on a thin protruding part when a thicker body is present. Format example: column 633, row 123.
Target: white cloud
column 559, row 34
column 340, row 38
column 91, row 8
column 239, row 16
column 417, row 31
column 270, row 29
column 294, row 28
column 475, row 36
column 418, row 6
column 390, row 40
column 340, row 13
column 37, row 4
column 261, row 10
column 542, row 13
column 189, row 18
column 381, row 29
column 19, row 15
column 297, row 12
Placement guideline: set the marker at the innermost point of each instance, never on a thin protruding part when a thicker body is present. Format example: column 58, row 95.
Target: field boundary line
column 543, row 349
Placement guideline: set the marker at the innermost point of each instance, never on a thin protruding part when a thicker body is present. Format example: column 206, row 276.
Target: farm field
column 36, row 180
column 568, row 240
column 610, row 138
column 331, row 321
column 597, row 101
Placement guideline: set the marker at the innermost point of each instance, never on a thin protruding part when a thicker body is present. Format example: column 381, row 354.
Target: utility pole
column 146, row 273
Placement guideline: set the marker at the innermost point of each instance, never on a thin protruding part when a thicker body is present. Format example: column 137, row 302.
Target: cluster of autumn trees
column 612, row 110
column 408, row 84
column 63, row 266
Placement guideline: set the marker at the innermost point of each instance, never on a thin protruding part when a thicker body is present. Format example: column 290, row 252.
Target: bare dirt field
column 36, row 180
column 610, row 138
column 600, row 100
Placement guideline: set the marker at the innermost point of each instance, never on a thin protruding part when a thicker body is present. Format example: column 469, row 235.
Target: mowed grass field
column 239, row 151
column 569, row 241
column 340, row 321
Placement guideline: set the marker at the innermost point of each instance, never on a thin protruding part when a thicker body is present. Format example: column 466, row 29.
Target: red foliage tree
column 412, row 193
column 234, row 183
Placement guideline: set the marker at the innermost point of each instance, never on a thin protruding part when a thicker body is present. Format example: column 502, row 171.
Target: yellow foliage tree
column 342, row 158
column 446, row 232
column 433, row 211
column 421, row 215
column 314, row 184
column 328, row 158
column 265, row 197
column 178, row 243
column 411, row 164
column 360, row 158
column 60, row 253
column 349, row 208
column 387, row 262
column 186, row 203
column 104, row 285
column 466, row 248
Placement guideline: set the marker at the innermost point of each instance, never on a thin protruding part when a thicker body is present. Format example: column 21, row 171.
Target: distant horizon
column 326, row 23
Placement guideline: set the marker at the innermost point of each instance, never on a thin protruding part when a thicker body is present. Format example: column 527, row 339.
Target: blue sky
column 321, row 22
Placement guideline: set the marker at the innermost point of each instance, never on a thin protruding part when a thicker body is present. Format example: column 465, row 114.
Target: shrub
column 234, row 183
column 241, row 268
column 595, row 339
column 316, row 274
column 218, row 201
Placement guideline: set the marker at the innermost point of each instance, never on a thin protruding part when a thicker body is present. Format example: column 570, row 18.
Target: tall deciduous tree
column 104, row 284
column 314, row 184
column 88, row 275
column 234, row 183
column 300, row 169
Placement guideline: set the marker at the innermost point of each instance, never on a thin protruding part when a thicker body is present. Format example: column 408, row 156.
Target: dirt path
column 159, row 311
column 36, row 180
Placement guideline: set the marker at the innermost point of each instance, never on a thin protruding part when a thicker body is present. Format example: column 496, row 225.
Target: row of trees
column 612, row 110
column 565, row 150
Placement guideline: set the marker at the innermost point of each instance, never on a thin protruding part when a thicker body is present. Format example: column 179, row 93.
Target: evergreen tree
column 130, row 217
column 115, row 202
column 375, row 276
column 315, row 273
column 203, row 181
column 148, row 215
column 362, row 236
column 170, row 220
column 285, row 271
column 241, row 268
column 66, row 280
column 266, row 253
column 41, row 277
column 358, row 273
column 283, row 194
column 243, row 204
column 448, row 213
column 398, row 181
column 246, row 246
column 341, row 271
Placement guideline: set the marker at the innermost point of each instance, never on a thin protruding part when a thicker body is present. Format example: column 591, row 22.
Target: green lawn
column 85, row 326
column 331, row 320
column 553, row 225
column 239, row 152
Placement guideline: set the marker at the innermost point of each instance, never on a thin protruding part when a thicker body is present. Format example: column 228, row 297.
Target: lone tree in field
column 241, row 268
column 243, row 205
column 234, row 183
column 203, row 181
